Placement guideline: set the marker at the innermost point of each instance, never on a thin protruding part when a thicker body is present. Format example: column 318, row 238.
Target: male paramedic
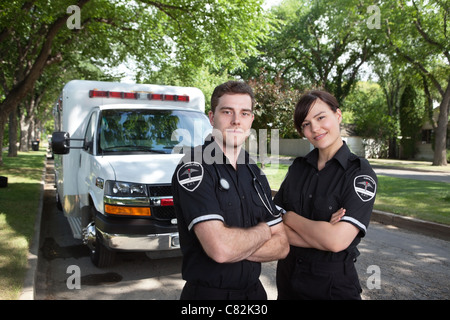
column 227, row 221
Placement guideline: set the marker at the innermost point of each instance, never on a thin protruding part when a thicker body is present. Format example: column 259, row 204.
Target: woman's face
column 321, row 126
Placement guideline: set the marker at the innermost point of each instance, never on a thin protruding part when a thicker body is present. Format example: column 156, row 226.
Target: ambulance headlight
column 125, row 189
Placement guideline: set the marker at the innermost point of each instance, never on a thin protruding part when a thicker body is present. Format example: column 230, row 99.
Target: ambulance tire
column 101, row 256
column 58, row 202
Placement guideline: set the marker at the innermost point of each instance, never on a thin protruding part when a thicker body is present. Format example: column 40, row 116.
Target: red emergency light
column 135, row 95
column 167, row 97
column 113, row 94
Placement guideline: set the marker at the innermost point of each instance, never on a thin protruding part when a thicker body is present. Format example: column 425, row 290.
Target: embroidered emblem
column 365, row 187
column 190, row 175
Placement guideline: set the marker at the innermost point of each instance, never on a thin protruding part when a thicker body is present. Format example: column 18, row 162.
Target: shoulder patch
column 365, row 187
column 190, row 175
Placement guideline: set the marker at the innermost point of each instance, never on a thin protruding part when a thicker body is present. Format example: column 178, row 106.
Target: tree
column 34, row 36
column 322, row 44
column 392, row 78
column 275, row 104
column 371, row 115
column 411, row 120
column 418, row 32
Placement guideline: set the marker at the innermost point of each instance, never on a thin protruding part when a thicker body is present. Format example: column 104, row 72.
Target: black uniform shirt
column 346, row 181
column 198, row 198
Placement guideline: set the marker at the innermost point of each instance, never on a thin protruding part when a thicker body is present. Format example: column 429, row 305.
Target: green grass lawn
column 424, row 200
column 19, row 203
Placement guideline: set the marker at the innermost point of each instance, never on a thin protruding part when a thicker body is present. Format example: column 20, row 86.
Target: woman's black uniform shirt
column 198, row 198
column 346, row 181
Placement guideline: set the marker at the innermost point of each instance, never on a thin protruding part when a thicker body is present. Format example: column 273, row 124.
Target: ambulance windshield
column 135, row 131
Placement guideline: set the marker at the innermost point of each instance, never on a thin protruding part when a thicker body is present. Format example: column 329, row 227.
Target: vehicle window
column 90, row 132
column 150, row 131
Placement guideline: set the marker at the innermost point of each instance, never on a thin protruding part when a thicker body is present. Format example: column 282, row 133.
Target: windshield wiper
column 140, row 148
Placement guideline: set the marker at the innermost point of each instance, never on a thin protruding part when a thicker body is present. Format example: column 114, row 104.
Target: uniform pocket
column 257, row 201
column 324, row 208
column 346, row 286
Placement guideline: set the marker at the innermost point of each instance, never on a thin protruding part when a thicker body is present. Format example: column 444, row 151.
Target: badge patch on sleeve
column 365, row 187
column 190, row 175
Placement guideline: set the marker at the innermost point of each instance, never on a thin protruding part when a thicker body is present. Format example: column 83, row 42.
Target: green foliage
column 370, row 115
column 275, row 104
column 40, row 50
column 411, row 120
column 153, row 34
column 322, row 45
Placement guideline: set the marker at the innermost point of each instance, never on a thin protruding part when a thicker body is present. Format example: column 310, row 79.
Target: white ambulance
column 116, row 147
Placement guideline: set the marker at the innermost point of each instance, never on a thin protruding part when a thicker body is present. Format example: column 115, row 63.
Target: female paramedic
column 320, row 264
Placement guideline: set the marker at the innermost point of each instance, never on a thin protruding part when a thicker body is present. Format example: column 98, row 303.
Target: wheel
column 101, row 256
column 58, row 202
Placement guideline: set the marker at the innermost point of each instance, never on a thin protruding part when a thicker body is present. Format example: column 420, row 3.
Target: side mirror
column 61, row 142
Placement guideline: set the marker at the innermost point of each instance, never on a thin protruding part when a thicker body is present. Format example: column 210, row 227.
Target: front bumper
column 150, row 242
column 133, row 234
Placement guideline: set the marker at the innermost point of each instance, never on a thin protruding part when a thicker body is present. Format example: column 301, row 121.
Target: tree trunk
column 2, row 129
column 440, row 147
column 24, row 127
column 12, row 150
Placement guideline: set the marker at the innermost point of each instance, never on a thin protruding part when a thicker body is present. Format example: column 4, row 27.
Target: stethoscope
column 224, row 185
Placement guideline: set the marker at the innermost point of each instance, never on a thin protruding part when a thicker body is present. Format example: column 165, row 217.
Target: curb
column 432, row 229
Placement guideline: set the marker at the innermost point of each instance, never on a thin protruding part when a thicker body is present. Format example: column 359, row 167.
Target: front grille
column 161, row 212
column 160, row 190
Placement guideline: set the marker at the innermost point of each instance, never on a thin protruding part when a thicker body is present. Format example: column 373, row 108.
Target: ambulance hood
column 146, row 169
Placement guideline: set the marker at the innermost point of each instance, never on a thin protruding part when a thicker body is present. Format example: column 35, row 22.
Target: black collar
column 243, row 154
column 341, row 156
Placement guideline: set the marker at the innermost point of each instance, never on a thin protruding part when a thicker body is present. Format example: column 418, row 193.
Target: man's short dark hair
column 231, row 87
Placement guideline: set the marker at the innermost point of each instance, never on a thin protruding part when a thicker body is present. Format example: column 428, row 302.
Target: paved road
column 394, row 264
column 413, row 174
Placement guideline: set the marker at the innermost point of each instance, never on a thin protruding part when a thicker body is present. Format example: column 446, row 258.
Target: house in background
column 424, row 147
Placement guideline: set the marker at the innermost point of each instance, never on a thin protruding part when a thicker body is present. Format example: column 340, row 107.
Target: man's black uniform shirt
column 198, row 197
column 346, row 181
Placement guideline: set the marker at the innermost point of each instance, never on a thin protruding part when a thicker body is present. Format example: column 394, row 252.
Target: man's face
column 232, row 119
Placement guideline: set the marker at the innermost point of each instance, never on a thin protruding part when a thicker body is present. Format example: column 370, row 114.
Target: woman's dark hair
column 231, row 87
column 305, row 103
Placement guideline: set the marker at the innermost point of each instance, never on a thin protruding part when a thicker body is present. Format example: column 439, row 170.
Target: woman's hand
column 336, row 217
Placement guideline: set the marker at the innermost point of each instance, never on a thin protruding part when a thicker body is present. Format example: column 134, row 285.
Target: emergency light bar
column 136, row 95
column 167, row 97
column 113, row 94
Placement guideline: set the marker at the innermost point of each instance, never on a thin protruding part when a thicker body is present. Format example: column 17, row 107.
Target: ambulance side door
column 86, row 179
